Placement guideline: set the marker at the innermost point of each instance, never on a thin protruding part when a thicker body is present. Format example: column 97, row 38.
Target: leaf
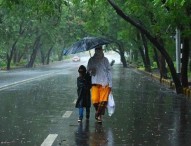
column 182, row 2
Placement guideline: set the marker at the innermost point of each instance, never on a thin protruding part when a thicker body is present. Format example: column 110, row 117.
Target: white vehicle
column 76, row 59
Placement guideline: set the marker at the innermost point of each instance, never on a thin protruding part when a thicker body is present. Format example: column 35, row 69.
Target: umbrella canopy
column 86, row 44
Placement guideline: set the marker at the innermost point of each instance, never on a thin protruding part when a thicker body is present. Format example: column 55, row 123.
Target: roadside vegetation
column 37, row 32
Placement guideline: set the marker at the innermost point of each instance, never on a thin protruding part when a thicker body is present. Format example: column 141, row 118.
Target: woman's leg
column 104, row 93
column 102, row 107
column 95, row 98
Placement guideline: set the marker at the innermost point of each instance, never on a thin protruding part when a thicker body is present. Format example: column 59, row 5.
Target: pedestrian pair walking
column 98, row 78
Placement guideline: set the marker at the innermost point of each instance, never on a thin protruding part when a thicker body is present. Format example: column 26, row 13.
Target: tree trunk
column 162, row 63
column 143, row 56
column 34, row 53
column 60, row 55
column 48, row 55
column 121, row 52
column 156, row 58
column 154, row 41
column 147, row 59
column 9, row 57
column 43, row 57
column 185, row 57
column 162, row 69
column 123, row 60
column 8, row 62
column 141, row 50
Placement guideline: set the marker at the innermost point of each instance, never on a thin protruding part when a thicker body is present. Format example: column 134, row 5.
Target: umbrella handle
column 90, row 53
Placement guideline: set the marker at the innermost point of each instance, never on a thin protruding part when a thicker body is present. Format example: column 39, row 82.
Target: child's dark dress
column 83, row 91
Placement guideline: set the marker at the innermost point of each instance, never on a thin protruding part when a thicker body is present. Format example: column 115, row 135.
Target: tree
column 154, row 42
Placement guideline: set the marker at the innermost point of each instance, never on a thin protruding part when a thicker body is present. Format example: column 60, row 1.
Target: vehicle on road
column 76, row 58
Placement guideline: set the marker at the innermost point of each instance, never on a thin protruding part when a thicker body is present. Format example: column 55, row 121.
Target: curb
column 169, row 83
column 187, row 92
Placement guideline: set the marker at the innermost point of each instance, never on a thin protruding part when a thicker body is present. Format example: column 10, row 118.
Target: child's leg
column 87, row 112
column 81, row 113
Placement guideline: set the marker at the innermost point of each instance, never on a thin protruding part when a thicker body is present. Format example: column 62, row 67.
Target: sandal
column 99, row 120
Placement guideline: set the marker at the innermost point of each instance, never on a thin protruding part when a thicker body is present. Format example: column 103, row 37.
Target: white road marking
column 3, row 71
column 67, row 114
column 25, row 81
column 74, row 102
column 49, row 140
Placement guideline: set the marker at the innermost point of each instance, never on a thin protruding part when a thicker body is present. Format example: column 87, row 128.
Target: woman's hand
column 92, row 71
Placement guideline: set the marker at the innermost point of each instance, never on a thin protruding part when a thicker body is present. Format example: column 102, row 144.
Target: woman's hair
column 82, row 69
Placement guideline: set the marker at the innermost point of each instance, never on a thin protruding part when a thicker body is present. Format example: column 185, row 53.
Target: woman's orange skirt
column 99, row 93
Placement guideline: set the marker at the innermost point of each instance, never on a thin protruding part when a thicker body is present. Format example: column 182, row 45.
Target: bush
column 154, row 64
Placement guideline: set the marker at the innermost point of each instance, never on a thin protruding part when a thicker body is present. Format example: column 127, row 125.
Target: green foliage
column 2, row 58
column 154, row 64
column 60, row 23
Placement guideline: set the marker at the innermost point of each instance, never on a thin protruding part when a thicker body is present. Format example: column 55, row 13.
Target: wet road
column 40, row 111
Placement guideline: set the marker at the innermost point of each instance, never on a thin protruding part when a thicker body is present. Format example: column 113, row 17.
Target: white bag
column 111, row 105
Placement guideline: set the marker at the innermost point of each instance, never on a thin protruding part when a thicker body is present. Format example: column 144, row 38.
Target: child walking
column 83, row 92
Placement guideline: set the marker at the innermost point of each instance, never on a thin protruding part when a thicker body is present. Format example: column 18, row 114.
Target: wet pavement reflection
column 146, row 114
column 99, row 135
column 82, row 134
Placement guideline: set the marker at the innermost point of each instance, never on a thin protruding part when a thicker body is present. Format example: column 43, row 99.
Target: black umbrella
column 86, row 44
